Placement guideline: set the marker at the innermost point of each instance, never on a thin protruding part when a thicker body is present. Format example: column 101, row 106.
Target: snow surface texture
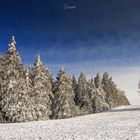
column 122, row 123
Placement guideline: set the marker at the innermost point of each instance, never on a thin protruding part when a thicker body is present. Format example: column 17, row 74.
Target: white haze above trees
column 31, row 94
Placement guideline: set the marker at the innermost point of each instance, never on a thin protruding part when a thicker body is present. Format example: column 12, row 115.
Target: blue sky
column 95, row 36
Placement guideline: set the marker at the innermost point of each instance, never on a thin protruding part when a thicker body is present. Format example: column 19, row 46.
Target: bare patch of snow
column 122, row 123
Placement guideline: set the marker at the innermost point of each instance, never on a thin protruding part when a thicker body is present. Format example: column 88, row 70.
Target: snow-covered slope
column 120, row 124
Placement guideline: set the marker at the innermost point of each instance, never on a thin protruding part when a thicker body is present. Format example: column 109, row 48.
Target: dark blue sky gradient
column 97, row 34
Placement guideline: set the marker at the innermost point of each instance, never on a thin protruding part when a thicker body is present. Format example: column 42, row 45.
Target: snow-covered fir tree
column 14, row 98
column 41, row 96
column 74, row 85
column 64, row 105
column 98, row 101
column 97, row 80
column 1, row 82
column 82, row 98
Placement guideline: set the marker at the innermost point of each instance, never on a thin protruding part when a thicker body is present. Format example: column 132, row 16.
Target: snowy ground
column 120, row 124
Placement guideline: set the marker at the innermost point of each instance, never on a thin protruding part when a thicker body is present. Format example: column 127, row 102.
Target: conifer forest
column 32, row 94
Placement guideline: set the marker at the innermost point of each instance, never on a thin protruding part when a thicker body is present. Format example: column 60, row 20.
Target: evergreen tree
column 64, row 106
column 14, row 99
column 29, row 84
column 110, row 89
column 74, row 83
column 1, row 80
column 91, row 88
column 42, row 91
column 97, row 96
column 97, row 80
column 82, row 96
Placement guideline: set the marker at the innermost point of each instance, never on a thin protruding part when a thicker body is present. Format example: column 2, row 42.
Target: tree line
column 31, row 94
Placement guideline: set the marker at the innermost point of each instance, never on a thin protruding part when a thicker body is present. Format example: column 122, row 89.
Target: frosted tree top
column 12, row 45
